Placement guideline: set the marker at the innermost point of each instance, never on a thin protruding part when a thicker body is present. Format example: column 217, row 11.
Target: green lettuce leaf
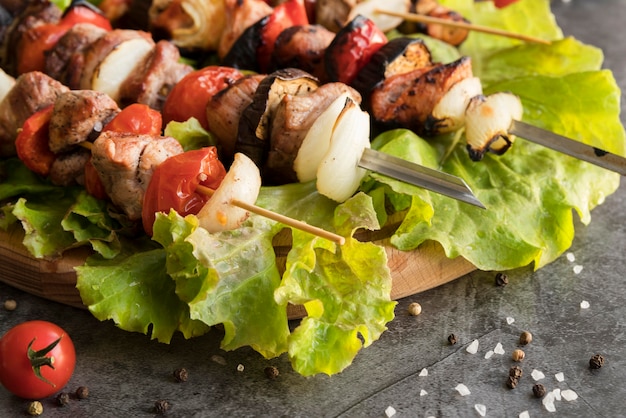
column 190, row 134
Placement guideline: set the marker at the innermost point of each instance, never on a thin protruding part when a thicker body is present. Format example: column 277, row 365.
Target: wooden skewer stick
column 414, row 17
column 303, row 226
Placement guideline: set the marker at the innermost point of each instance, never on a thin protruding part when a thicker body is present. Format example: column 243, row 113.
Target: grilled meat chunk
column 69, row 168
column 125, row 163
column 31, row 92
column 78, row 116
column 303, row 47
column 240, row 15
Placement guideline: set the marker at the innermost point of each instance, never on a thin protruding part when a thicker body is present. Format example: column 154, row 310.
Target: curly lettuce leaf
column 190, row 134
column 16, row 180
column 345, row 291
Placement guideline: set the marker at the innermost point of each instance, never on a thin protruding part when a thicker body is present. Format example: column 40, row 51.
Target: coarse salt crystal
column 577, row 268
column 240, row 367
column 510, row 320
column 557, row 394
column 423, row 392
column 462, row 389
column 584, row 305
column 499, row 349
column 569, row 395
column 537, row 375
column 570, row 257
column 548, row 402
column 424, row 372
column 473, row 347
column 488, row 354
column 390, row 411
column 524, row 414
column 481, row 409
column 559, row 377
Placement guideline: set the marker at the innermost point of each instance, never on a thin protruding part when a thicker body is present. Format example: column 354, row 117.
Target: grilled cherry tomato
column 84, row 12
column 175, row 182
column 188, row 98
column 32, row 142
column 37, row 359
column 352, row 48
column 503, row 3
column 138, row 119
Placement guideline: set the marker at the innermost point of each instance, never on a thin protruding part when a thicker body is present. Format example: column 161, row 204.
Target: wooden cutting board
column 412, row 271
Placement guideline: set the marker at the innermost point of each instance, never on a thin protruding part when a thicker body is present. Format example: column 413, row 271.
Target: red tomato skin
column 83, row 14
column 32, row 141
column 33, row 43
column 503, row 3
column 190, row 95
column 138, row 119
column 174, row 183
column 16, row 372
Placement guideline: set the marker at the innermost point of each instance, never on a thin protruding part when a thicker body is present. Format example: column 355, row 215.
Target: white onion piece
column 449, row 112
column 487, row 121
column 6, row 83
column 382, row 21
column 317, row 141
column 119, row 65
column 339, row 175
column 242, row 183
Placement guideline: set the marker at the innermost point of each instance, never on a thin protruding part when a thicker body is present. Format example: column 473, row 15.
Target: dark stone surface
column 126, row 373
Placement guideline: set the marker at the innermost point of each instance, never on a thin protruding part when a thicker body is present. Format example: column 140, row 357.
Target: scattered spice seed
column 415, row 309
column 10, row 304
column 516, row 372
column 63, row 398
column 596, row 361
column 518, row 355
column 161, row 406
column 512, row 382
column 181, row 375
column 525, row 338
column 271, row 372
column 82, row 392
column 452, row 339
column 35, row 408
column 539, row 390
column 501, row 279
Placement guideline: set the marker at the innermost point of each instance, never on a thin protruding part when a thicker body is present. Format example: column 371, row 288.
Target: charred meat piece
column 125, row 163
column 31, row 92
column 406, row 100
column 152, row 81
column 65, row 61
column 78, row 116
column 254, row 126
column 333, row 14
column 303, row 47
column 240, row 15
column 69, row 168
column 224, row 111
column 291, row 121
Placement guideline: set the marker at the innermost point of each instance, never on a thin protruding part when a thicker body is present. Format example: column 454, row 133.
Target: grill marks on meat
column 125, row 163
column 32, row 92
column 303, row 47
column 78, row 116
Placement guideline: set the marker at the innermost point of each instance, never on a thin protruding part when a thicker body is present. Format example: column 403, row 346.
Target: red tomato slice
column 174, row 183
column 25, row 346
column 190, row 95
column 84, row 14
column 138, row 119
column 32, row 142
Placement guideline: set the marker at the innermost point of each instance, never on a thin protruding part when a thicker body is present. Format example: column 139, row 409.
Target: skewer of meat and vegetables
column 241, row 163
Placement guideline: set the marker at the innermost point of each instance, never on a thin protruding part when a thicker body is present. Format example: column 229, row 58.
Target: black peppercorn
column 516, row 372
column 596, row 361
column 539, row 390
column 452, row 339
column 181, row 375
column 271, row 372
column 63, row 398
column 512, row 382
column 82, row 392
column 161, row 406
column 501, row 279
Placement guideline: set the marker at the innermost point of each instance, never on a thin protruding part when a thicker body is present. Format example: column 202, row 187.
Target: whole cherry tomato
column 37, row 359
column 85, row 13
column 175, row 181
column 190, row 95
column 32, row 141
column 138, row 119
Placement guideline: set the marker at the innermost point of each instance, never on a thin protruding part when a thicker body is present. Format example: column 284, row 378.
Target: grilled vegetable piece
column 487, row 122
column 6, row 84
column 32, row 92
column 398, row 56
column 368, row 8
column 407, row 100
column 292, row 119
column 449, row 113
column 242, row 183
column 125, row 163
column 78, row 116
column 32, row 142
column 303, row 47
column 352, row 48
column 224, row 109
column 339, row 175
column 253, row 136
